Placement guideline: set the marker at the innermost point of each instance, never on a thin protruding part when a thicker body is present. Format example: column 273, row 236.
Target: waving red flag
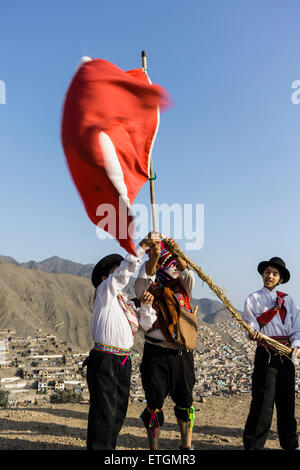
column 109, row 123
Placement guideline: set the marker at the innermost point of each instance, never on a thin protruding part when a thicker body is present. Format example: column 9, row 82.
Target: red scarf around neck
column 267, row 316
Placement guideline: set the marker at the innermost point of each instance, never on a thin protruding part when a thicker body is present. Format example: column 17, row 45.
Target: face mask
column 172, row 271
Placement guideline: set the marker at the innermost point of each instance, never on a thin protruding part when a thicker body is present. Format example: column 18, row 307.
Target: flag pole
column 151, row 175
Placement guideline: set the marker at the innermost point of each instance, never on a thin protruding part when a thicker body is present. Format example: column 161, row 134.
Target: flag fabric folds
column 109, row 123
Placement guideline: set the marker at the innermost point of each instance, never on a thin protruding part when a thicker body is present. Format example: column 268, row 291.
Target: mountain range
column 55, row 296
column 55, row 264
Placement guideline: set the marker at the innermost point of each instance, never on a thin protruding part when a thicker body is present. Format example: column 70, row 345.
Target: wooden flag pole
column 151, row 175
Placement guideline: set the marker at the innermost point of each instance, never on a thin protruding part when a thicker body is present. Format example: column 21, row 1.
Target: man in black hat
column 114, row 324
column 274, row 314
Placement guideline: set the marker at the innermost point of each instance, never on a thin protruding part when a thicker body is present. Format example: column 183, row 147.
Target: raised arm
column 147, row 272
column 155, row 250
column 119, row 278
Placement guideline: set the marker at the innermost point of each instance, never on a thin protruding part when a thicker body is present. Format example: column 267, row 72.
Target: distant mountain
column 211, row 311
column 8, row 259
column 55, row 264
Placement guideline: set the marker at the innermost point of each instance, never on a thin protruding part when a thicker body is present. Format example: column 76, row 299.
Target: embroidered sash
column 267, row 316
column 130, row 312
column 111, row 349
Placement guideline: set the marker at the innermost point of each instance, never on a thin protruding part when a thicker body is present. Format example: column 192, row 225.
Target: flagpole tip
column 143, row 53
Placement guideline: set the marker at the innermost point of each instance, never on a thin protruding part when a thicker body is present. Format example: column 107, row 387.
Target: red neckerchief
column 267, row 316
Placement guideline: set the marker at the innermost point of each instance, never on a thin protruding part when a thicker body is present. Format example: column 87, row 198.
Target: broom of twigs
column 281, row 348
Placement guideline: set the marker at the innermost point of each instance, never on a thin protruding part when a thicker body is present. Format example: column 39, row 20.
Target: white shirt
column 262, row 300
column 110, row 326
column 143, row 282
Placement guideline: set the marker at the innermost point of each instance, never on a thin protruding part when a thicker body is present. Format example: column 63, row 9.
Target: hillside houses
column 42, row 364
column 34, row 368
column 221, row 367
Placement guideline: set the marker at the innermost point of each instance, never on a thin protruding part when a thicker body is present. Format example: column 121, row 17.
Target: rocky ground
column 218, row 426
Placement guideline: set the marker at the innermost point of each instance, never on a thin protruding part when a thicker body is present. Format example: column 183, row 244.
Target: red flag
column 109, row 123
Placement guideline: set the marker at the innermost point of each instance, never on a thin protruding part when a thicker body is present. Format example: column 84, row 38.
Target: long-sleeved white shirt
column 110, row 326
column 143, row 283
column 262, row 300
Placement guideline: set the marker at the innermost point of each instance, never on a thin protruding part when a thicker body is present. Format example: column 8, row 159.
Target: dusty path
column 218, row 426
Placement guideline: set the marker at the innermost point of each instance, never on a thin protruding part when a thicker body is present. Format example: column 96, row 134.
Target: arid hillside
column 33, row 300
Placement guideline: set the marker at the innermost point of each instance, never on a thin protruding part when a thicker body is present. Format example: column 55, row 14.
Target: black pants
column 109, row 385
column 165, row 371
column 273, row 381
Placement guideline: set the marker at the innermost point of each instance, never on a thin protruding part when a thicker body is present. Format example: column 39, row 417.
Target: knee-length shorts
column 167, row 371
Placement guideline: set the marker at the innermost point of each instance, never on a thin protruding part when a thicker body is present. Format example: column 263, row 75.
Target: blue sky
column 230, row 141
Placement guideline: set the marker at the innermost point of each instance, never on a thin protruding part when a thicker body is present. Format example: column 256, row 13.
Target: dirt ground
column 218, row 426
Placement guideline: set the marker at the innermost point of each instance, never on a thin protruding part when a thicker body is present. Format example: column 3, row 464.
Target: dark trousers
column 166, row 371
column 273, row 381
column 109, row 385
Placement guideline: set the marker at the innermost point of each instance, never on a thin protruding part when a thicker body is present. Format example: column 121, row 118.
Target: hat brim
column 103, row 267
column 285, row 274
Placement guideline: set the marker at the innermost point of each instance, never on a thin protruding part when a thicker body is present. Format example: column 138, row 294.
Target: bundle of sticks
column 280, row 348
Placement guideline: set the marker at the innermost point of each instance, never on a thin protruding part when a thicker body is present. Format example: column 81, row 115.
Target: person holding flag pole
column 167, row 365
column 114, row 325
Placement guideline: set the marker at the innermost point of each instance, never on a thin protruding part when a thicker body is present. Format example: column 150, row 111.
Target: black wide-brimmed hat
column 276, row 263
column 103, row 267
